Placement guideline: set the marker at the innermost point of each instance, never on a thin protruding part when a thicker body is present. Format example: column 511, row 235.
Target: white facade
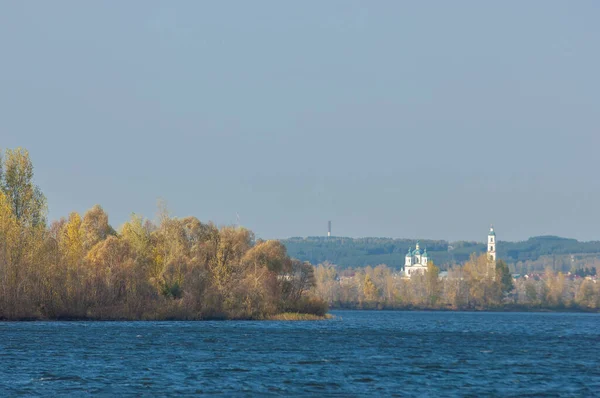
column 415, row 262
column 492, row 244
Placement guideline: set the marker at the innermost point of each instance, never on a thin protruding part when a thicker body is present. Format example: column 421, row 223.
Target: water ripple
column 356, row 354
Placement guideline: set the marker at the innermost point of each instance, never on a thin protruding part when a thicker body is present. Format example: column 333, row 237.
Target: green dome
column 492, row 233
column 425, row 253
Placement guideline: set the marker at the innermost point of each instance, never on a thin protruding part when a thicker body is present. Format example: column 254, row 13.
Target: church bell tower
column 492, row 244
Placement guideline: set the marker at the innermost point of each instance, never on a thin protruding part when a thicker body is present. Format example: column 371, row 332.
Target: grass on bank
column 296, row 316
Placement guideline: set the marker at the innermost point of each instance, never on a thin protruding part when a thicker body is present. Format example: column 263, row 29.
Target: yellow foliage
column 9, row 229
column 81, row 268
column 110, row 253
column 95, row 227
column 27, row 202
column 369, row 289
column 72, row 240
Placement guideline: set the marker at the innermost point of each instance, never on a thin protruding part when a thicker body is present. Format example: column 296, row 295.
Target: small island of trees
column 82, row 268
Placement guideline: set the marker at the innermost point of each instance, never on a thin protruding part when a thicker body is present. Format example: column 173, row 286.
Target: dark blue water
column 356, row 354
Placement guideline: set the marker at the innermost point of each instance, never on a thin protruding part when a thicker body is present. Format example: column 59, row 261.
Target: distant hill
column 360, row 252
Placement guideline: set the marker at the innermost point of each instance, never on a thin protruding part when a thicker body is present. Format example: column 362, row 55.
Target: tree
column 110, row 253
column 382, row 276
column 264, row 259
column 326, row 280
column 233, row 243
column 585, row 294
column 95, row 227
column 302, row 279
column 456, row 288
column 9, row 257
column 72, row 240
column 432, row 282
column 26, row 199
column 555, row 284
column 138, row 234
column 503, row 276
column 480, row 275
column 370, row 290
column 531, row 292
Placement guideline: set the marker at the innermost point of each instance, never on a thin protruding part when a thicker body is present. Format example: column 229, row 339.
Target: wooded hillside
column 560, row 254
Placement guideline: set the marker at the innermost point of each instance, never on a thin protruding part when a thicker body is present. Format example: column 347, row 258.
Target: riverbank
column 505, row 308
column 285, row 316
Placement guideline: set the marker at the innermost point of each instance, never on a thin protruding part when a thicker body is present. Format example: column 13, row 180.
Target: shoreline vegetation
column 507, row 309
column 295, row 316
column 81, row 268
column 172, row 269
column 477, row 285
column 283, row 316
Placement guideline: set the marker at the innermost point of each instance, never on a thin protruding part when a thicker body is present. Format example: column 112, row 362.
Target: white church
column 416, row 262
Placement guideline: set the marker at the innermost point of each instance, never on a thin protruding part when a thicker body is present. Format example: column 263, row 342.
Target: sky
column 391, row 119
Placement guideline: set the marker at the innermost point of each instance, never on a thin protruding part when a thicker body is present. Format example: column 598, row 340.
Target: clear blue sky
column 399, row 119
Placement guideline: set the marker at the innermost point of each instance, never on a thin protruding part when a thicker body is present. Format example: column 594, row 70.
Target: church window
column 491, row 248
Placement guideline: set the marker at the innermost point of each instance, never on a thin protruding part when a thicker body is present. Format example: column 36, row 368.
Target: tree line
column 80, row 267
column 476, row 285
column 534, row 254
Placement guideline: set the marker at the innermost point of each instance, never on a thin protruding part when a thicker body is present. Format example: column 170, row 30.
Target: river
column 358, row 353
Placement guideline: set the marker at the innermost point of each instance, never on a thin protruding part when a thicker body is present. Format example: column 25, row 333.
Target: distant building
column 415, row 261
column 492, row 244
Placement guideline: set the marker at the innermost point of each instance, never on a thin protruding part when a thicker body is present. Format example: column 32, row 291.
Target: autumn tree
column 9, row 256
column 26, row 200
column 301, row 280
column 555, row 284
column 169, row 257
column 503, row 276
column 531, row 292
column 95, row 227
column 456, row 288
column 417, row 290
column 137, row 233
column 480, row 274
column 433, row 283
column 266, row 259
column 71, row 241
column 586, row 296
column 370, row 290
column 112, row 271
column 259, row 285
column 233, row 242
column 328, row 287
column 384, row 279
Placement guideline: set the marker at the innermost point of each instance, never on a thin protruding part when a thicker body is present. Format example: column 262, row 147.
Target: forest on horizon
column 533, row 255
